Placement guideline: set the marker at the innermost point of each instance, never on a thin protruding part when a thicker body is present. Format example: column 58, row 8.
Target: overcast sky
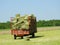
column 43, row 9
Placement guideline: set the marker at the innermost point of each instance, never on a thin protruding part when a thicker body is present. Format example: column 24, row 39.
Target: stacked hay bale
column 32, row 26
column 16, row 21
column 24, row 22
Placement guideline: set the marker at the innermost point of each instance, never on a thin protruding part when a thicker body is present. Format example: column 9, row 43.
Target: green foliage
column 43, row 23
column 40, row 23
column 5, row 25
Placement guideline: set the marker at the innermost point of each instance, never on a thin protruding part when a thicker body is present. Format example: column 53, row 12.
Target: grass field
column 49, row 37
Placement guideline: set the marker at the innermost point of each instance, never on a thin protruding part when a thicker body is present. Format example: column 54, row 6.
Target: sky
column 42, row 9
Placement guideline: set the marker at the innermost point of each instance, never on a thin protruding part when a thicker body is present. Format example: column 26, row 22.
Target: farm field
column 44, row 36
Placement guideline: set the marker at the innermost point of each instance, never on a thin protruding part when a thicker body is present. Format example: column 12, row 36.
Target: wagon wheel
column 14, row 36
column 21, row 37
column 33, row 35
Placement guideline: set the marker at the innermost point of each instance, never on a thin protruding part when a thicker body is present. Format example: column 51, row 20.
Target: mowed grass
column 49, row 37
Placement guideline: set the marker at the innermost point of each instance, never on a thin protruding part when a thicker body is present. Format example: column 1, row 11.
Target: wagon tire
column 21, row 37
column 33, row 35
column 14, row 36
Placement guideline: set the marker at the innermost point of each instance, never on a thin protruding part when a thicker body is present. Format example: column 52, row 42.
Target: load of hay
column 24, row 22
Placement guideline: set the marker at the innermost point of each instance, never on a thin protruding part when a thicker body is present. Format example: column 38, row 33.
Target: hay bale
column 24, row 22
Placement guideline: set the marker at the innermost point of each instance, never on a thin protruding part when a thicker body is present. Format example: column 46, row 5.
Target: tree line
column 40, row 23
column 5, row 25
column 44, row 23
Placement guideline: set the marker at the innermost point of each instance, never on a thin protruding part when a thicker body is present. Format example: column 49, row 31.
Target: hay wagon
column 25, row 32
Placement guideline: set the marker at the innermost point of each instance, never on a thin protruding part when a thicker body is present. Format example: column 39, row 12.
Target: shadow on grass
column 37, row 36
column 31, row 37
